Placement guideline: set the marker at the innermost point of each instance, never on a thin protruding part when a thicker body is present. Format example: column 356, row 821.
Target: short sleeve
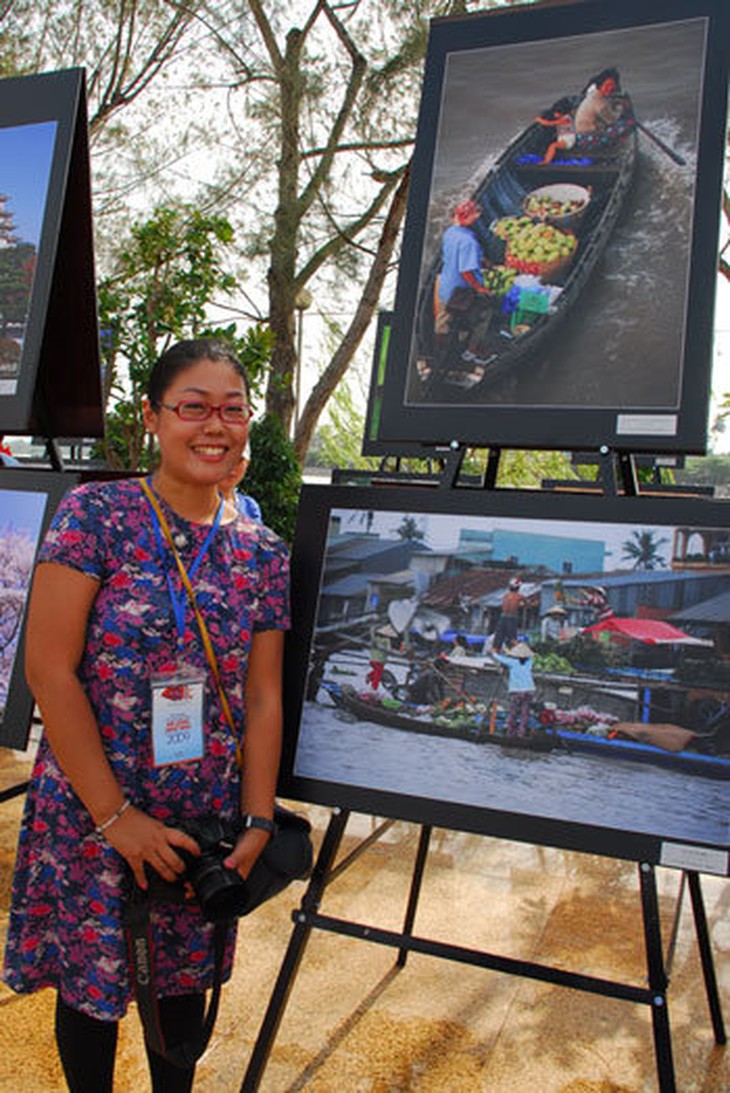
column 75, row 537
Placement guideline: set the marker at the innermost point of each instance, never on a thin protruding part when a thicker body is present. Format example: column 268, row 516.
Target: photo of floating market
column 572, row 670
column 567, row 181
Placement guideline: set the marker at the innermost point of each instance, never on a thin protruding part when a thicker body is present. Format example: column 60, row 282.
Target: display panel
column 590, row 235
column 398, row 703
column 28, row 499
column 47, row 281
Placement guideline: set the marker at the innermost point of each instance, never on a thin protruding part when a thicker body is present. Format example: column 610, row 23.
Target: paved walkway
column 356, row 1025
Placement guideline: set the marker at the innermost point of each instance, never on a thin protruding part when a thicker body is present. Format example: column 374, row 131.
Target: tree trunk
column 282, row 271
column 342, row 358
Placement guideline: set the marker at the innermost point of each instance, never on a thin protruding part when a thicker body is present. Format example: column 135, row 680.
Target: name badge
column 177, row 715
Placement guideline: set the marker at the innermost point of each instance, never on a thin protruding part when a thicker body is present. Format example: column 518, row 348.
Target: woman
column 517, row 659
column 246, row 505
column 604, row 115
column 110, row 636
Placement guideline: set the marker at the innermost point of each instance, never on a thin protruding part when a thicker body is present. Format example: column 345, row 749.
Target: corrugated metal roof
column 715, row 610
column 353, row 585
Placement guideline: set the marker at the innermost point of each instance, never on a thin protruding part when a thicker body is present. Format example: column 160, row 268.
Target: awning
column 650, row 631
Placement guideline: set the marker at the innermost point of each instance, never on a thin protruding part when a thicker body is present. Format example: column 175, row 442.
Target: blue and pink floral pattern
column 65, row 927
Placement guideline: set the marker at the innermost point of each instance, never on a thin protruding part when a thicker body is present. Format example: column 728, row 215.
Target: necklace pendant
column 179, row 540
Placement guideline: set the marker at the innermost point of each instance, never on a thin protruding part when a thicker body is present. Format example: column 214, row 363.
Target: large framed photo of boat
column 50, row 377
column 28, row 499
column 553, row 669
column 560, row 249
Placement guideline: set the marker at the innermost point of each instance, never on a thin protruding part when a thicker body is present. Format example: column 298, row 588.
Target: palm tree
column 643, row 550
column 410, row 530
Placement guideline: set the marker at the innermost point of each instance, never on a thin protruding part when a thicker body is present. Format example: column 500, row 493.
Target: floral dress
column 65, row 927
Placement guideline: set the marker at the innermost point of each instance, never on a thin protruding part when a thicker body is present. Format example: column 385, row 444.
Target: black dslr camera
column 221, row 893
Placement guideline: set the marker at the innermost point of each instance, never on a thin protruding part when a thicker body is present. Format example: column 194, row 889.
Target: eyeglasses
column 230, row 413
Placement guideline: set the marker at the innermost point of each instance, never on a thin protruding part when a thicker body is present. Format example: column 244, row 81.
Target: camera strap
column 142, row 967
column 204, row 635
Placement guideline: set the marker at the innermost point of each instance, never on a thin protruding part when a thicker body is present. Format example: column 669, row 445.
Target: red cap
column 466, row 210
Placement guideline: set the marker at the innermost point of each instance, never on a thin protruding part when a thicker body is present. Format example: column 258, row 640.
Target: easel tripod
column 308, row 918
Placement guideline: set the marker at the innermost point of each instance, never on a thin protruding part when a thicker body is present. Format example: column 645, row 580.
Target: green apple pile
column 509, row 226
column 498, row 279
column 545, row 207
column 539, row 245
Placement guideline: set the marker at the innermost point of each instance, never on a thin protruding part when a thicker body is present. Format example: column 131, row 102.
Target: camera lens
column 221, row 892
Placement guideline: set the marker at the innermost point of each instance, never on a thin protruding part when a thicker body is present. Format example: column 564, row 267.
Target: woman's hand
column 246, row 851
column 141, row 839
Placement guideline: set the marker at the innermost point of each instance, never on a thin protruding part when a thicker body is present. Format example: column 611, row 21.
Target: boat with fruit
column 473, row 723
column 543, row 229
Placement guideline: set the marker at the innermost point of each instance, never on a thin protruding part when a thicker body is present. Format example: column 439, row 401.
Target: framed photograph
column 551, row 669
column 28, row 499
column 47, row 281
column 559, row 257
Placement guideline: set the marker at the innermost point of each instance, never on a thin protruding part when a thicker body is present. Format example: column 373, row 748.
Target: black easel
column 308, row 918
column 617, row 474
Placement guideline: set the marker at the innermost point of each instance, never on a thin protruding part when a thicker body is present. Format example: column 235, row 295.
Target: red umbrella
column 650, row 631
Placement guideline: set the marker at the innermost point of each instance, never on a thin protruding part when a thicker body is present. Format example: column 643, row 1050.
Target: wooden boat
column 475, row 728
column 486, row 341
column 427, row 720
column 686, row 762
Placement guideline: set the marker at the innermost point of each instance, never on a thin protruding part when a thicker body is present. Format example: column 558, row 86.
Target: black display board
column 609, row 343
column 632, row 705
column 28, row 499
column 50, row 378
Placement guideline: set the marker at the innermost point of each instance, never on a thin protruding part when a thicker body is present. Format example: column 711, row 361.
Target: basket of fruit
column 541, row 249
column 561, row 203
column 498, row 279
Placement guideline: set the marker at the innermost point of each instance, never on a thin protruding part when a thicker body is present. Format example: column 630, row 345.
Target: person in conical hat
column 517, row 659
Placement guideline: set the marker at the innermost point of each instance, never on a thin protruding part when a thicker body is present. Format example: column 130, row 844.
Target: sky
column 26, row 154
column 22, row 510
column 442, row 531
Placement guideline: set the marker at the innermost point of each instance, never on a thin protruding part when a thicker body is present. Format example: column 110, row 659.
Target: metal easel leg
column 295, row 951
column 657, row 978
column 416, row 881
column 708, row 967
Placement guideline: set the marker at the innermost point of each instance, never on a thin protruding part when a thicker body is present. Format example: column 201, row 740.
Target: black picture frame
column 372, row 442
column 625, row 798
column 50, row 366
column 28, row 499
column 623, row 361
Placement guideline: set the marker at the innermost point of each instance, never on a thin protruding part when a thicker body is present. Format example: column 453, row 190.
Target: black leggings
column 87, row 1046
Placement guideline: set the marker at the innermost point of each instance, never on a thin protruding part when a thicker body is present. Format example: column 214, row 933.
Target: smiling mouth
column 210, row 449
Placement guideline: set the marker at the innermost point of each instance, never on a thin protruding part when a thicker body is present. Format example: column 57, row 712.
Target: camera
column 221, row 893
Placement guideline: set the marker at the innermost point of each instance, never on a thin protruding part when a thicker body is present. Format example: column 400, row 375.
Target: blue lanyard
column 179, row 599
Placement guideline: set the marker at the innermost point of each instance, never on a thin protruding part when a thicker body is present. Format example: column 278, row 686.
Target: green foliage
column 706, row 470
column 168, row 273
column 527, row 469
column 338, row 442
column 274, row 477
column 583, row 650
column 17, row 263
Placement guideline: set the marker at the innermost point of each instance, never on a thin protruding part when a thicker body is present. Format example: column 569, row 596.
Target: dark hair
column 604, row 74
column 181, row 356
column 562, row 106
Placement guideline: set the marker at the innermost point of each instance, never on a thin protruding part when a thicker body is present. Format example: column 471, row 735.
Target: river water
column 614, row 794
column 623, row 344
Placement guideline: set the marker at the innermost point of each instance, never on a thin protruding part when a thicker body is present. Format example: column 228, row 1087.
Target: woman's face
column 200, row 452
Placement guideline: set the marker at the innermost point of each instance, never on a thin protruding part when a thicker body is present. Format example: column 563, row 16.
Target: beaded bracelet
column 101, row 828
